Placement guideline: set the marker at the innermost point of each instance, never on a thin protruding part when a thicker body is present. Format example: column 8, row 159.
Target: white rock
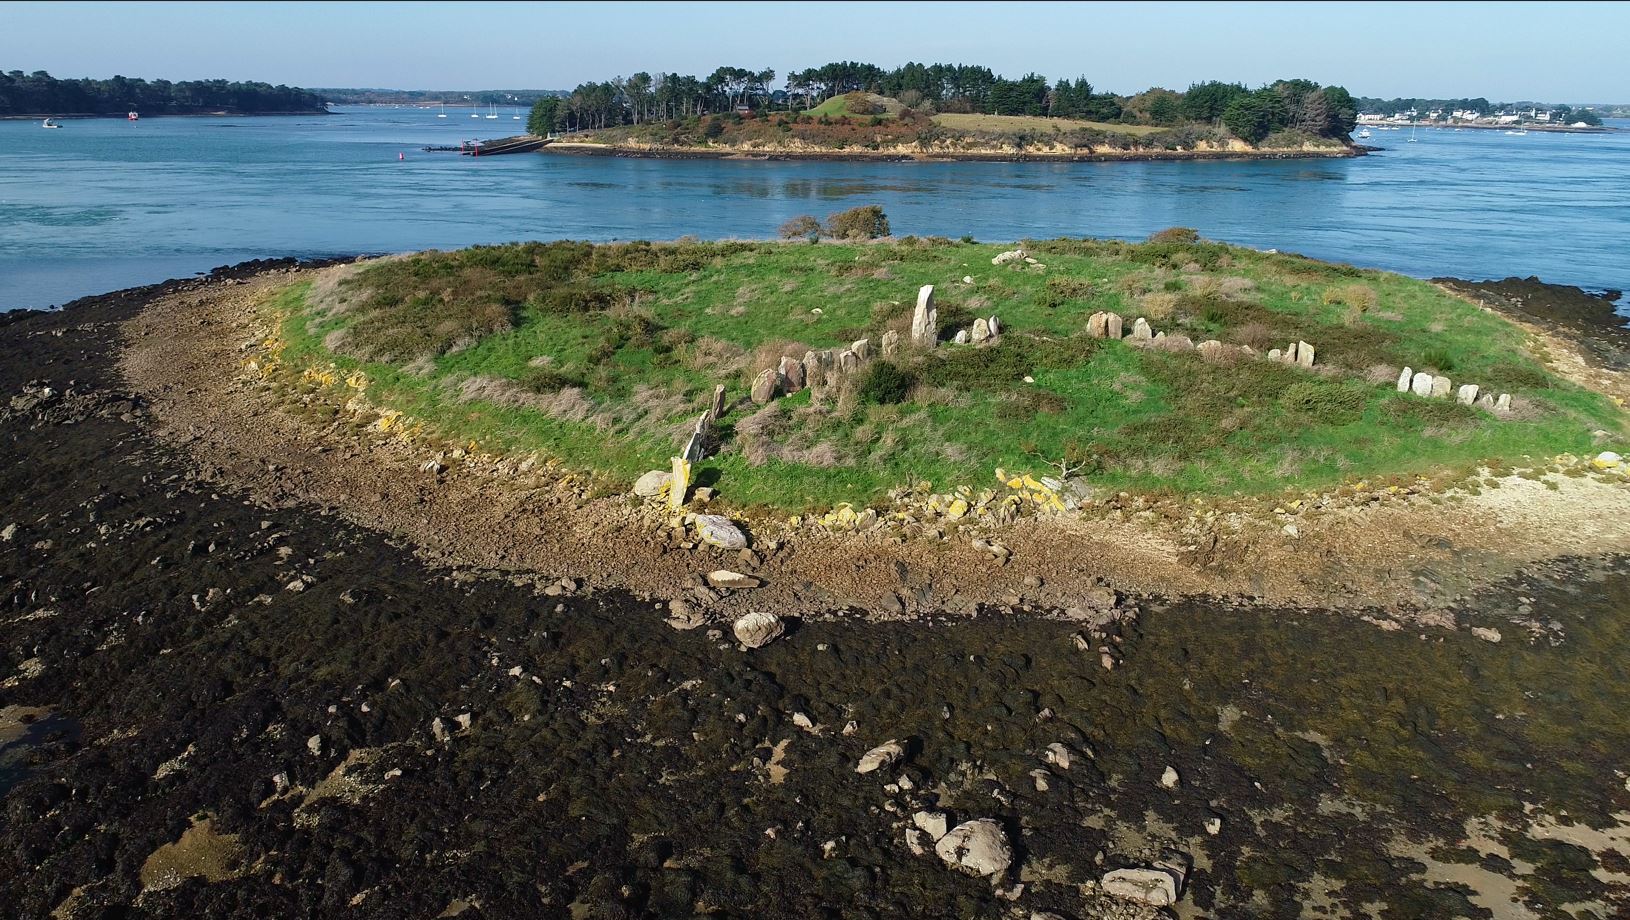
column 961, row 337
column 1486, row 634
column 976, row 847
column 724, row 578
column 1150, row 886
column 1467, row 394
column 314, row 744
column 925, row 319
column 1141, row 331
column 1169, row 779
column 933, row 823
column 438, row 729
column 1304, row 354
column 1441, row 386
column 1058, row 755
column 717, row 530
column 915, row 841
column 758, row 629
column 653, row 483
column 8, row 533
column 1214, row 826
column 886, row 754
column 803, row 721
column 1015, row 255
column 1421, row 385
column 1404, row 380
column 967, row 279
column 1503, row 404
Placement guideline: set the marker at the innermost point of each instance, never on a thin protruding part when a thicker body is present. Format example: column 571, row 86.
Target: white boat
column 514, row 114
column 48, row 123
column 1412, row 134
column 492, row 111
column 443, row 112
column 473, row 113
column 1364, row 133
column 132, row 116
column 1517, row 133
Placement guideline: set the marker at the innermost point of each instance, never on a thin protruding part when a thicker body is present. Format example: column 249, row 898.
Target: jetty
column 520, row 143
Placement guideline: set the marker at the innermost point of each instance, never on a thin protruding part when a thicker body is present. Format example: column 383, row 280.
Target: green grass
column 617, row 349
column 839, row 106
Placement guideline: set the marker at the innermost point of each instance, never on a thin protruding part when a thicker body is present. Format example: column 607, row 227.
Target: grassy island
column 603, row 357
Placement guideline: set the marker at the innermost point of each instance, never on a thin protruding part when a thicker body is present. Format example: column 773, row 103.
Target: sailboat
column 48, row 123
column 1412, row 132
column 515, row 114
column 473, row 112
column 443, row 112
column 492, row 110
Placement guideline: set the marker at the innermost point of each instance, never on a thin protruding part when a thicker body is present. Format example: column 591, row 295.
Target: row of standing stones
column 1424, row 384
column 821, row 369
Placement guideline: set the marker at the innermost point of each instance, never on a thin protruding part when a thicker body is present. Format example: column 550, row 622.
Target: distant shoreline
column 77, row 116
column 1548, row 129
column 568, row 148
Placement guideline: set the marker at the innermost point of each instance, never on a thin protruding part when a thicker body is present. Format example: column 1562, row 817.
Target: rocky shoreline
column 230, row 698
column 936, row 156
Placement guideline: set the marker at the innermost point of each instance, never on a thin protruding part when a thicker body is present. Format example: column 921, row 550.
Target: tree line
column 39, row 93
column 1300, row 105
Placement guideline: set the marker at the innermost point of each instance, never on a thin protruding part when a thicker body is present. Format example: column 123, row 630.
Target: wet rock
column 1058, row 755
column 724, row 578
column 932, row 823
column 682, row 614
column 653, row 483
column 717, row 530
column 757, row 629
column 1156, row 887
column 886, row 754
column 978, row 847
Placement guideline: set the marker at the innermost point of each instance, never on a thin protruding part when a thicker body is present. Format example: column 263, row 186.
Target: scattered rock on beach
column 976, row 847
column 1156, row 887
column 758, row 629
column 717, row 530
column 886, row 754
column 724, row 578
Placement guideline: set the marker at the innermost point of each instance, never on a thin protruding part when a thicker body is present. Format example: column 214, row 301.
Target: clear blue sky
column 1553, row 52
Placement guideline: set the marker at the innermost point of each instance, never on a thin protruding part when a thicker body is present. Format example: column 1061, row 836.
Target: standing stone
column 716, row 408
column 766, row 386
column 995, row 328
column 925, row 321
column 1161, row 337
column 814, row 370
column 1097, row 325
column 1141, row 331
column 1275, row 354
column 1112, row 326
column 1304, row 354
column 1440, row 387
column 792, row 370
column 1404, row 380
column 862, row 349
column 1289, row 354
column 1422, row 384
column 1486, row 401
column 981, row 331
column 847, row 362
column 1466, row 395
column 891, row 343
column 696, row 447
column 1503, row 404
column 961, row 337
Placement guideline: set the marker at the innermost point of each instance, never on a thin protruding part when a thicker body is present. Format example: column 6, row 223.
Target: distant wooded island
column 39, row 93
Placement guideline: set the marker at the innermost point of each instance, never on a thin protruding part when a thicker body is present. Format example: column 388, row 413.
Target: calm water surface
column 103, row 204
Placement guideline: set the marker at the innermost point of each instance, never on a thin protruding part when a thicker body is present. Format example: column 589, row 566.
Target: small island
column 944, row 112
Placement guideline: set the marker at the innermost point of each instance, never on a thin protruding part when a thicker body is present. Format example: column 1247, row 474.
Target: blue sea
column 103, row 204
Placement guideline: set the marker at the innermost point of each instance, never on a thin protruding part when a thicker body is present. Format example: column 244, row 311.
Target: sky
column 1551, row 52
